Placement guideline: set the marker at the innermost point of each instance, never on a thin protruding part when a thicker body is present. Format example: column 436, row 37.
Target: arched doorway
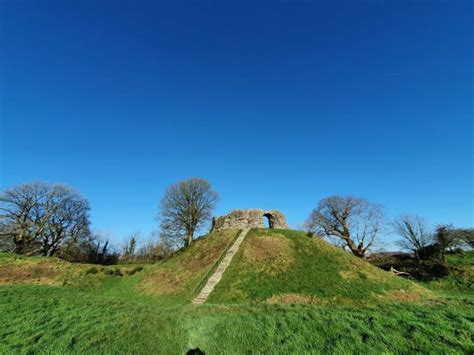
column 268, row 220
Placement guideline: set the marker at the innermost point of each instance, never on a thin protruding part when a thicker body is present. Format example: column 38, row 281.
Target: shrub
column 113, row 272
column 432, row 251
column 134, row 270
column 93, row 270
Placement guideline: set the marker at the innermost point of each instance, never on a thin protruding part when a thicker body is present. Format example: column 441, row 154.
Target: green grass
column 281, row 263
column 461, row 277
column 44, row 319
column 462, row 259
column 169, row 282
column 457, row 275
column 50, row 306
column 176, row 280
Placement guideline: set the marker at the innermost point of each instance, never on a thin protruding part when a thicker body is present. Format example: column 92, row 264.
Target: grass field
column 49, row 306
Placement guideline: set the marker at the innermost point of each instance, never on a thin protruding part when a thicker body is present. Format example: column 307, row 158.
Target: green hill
column 178, row 279
column 272, row 266
column 284, row 266
column 171, row 281
column 282, row 293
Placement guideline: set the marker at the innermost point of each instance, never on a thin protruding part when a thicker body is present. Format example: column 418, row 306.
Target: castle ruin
column 251, row 218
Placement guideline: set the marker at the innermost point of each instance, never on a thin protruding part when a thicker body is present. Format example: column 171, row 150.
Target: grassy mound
column 17, row 269
column 172, row 281
column 272, row 266
column 282, row 266
column 178, row 279
column 51, row 306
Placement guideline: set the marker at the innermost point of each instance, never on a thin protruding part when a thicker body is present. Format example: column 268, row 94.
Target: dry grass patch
column 355, row 272
column 349, row 274
column 269, row 254
column 402, row 295
column 43, row 273
column 164, row 282
column 187, row 267
column 294, row 298
column 414, row 293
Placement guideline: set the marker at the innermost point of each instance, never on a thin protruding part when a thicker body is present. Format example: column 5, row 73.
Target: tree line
column 50, row 220
column 54, row 220
column 356, row 224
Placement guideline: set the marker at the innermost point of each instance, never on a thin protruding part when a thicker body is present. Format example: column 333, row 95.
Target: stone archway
column 270, row 219
column 251, row 218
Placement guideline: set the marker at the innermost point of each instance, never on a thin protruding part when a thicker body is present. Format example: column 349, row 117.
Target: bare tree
column 129, row 248
column 355, row 221
column 20, row 216
column 185, row 208
column 39, row 217
column 93, row 248
column 68, row 214
column 152, row 250
column 169, row 242
column 414, row 232
column 467, row 236
column 6, row 243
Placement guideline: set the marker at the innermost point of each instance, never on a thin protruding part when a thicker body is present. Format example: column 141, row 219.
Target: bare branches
column 356, row 221
column 39, row 217
column 414, row 232
column 186, row 207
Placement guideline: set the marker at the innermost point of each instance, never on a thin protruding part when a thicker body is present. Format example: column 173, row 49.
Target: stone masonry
column 252, row 218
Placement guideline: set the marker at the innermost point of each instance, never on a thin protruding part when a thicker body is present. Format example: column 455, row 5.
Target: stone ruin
column 252, row 218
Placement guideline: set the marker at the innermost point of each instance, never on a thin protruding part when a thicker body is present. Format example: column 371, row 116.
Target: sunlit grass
column 345, row 304
column 46, row 319
column 303, row 266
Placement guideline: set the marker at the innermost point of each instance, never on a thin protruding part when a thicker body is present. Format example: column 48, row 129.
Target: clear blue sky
column 278, row 104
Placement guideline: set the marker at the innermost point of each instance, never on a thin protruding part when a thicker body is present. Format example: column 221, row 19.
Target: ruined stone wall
column 252, row 218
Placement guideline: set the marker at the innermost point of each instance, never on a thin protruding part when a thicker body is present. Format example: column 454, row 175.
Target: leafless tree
column 467, row 236
column 414, row 231
column 185, row 208
column 129, row 247
column 19, row 215
column 355, row 221
column 39, row 217
column 152, row 250
column 93, row 248
column 68, row 218
column 6, row 243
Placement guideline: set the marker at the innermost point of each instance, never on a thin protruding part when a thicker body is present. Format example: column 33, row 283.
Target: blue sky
column 278, row 104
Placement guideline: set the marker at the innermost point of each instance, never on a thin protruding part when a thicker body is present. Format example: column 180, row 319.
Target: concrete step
column 217, row 275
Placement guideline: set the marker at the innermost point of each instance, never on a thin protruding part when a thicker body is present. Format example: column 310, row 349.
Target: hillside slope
column 51, row 306
column 272, row 266
column 178, row 279
column 283, row 266
column 175, row 280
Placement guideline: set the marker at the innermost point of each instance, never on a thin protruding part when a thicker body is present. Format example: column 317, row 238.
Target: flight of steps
column 217, row 275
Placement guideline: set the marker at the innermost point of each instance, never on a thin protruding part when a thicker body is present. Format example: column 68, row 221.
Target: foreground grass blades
column 43, row 319
column 283, row 293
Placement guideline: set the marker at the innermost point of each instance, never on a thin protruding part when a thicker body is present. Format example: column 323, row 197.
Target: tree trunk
column 443, row 256
column 19, row 246
column 359, row 252
column 188, row 240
